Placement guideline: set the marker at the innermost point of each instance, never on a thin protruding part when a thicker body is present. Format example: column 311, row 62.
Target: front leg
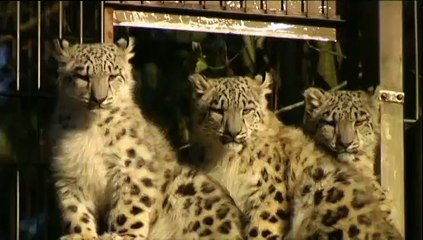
column 77, row 212
column 269, row 217
column 134, row 189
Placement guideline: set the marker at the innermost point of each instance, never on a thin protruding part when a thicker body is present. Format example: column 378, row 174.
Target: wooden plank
column 108, row 25
column 392, row 130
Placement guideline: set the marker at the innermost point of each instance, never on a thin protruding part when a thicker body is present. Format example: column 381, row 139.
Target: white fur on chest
column 78, row 155
column 234, row 174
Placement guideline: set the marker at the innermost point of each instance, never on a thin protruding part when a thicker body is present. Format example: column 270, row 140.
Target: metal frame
column 392, row 124
column 283, row 19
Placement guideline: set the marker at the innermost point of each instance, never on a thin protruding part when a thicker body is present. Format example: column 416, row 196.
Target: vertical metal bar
column 60, row 19
column 18, row 49
column 102, row 21
column 18, row 43
column 81, row 21
column 18, row 214
column 392, row 114
column 416, row 59
column 39, row 45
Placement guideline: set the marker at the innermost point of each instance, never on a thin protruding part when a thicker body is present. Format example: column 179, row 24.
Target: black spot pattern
column 121, row 219
column 137, row 225
column 85, row 219
column 225, row 227
column 222, row 212
column 334, row 195
column 147, row 182
column 253, row 232
column 114, row 110
column 135, row 210
column 205, row 232
column 130, row 152
column 264, row 175
column 278, row 197
column 135, row 190
column 272, row 189
column 195, row 226
column 127, row 162
column 273, row 219
column 318, row 174
column 336, row 235
column 77, row 229
column 208, row 221
column 265, row 215
column 318, row 196
column 353, row 231
column 108, row 120
column 265, row 233
column 284, row 215
column 306, row 189
column 186, row 190
column 331, row 217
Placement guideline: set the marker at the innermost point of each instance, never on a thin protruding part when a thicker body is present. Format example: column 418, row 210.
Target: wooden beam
column 108, row 25
column 392, row 129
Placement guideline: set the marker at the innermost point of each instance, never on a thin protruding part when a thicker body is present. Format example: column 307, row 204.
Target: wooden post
column 392, row 129
column 108, row 25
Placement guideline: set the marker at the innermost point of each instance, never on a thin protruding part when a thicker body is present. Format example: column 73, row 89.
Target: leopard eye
column 247, row 111
column 216, row 110
column 113, row 77
column 327, row 122
column 82, row 77
column 359, row 123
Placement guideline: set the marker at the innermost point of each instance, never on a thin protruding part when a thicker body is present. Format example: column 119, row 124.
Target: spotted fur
column 344, row 122
column 347, row 124
column 110, row 163
column 286, row 186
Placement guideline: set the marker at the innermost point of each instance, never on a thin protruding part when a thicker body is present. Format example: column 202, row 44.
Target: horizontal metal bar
column 240, row 14
column 220, row 25
column 406, row 120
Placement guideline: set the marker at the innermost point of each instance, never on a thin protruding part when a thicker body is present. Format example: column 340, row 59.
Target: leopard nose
column 98, row 100
column 231, row 134
column 345, row 144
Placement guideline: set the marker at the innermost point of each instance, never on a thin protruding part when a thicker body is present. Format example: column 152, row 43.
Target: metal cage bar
column 81, row 21
column 18, row 47
column 39, row 45
column 60, row 19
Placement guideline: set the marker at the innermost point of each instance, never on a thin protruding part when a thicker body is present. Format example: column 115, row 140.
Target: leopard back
column 94, row 74
column 344, row 122
column 230, row 110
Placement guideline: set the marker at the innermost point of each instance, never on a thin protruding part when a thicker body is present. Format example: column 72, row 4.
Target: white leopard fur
column 112, row 164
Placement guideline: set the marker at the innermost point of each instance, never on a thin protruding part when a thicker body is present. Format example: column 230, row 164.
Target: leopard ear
column 127, row 47
column 61, row 47
column 373, row 96
column 314, row 98
column 265, row 85
column 200, row 83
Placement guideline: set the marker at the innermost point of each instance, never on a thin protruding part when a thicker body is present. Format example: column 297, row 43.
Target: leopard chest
column 79, row 156
column 236, row 174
